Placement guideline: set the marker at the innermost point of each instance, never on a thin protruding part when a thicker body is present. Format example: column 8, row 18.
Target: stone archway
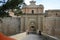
column 32, row 28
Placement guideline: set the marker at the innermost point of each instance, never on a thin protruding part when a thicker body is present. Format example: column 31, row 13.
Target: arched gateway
column 32, row 26
column 32, row 17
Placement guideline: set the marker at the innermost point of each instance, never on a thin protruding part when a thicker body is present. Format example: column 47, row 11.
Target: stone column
column 26, row 22
column 40, row 22
column 22, row 24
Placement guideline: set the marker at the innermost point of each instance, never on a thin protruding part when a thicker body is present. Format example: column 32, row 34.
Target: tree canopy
column 10, row 4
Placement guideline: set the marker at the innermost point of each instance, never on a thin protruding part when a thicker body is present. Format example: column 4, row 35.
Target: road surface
column 34, row 37
column 24, row 36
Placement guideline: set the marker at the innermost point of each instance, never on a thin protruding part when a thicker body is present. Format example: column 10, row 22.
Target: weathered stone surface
column 52, row 26
column 10, row 25
column 24, row 36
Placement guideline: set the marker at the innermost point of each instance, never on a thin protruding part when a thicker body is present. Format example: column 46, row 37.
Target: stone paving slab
column 24, row 36
column 33, row 37
column 19, row 36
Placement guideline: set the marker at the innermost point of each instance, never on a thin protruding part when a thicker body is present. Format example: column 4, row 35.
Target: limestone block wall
column 53, row 13
column 29, row 10
column 31, row 20
column 10, row 25
column 51, row 26
column 40, row 22
column 27, row 20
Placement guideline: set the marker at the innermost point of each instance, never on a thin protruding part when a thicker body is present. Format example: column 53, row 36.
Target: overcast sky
column 48, row 4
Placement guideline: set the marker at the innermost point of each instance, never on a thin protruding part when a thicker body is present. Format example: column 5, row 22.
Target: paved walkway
column 19, row 36
column 24, row 36
column 33, row 37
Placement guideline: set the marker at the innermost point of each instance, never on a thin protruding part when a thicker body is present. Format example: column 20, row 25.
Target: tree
column 3, row 14
column 18, row 12
column 10, row 4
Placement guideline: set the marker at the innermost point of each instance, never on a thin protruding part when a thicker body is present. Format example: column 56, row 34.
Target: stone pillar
column 22, row 24
column 26, row 23
column 40, row 23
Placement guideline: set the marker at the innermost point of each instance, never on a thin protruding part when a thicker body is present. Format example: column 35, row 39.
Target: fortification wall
column 51, row 26
column 10, row 25
column 52, row 13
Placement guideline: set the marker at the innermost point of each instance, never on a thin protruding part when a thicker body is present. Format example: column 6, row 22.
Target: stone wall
column 27, row 21
column 36, row 10
column 51, row 26
column 13, row 25
column 52, row 13
column 10, row 25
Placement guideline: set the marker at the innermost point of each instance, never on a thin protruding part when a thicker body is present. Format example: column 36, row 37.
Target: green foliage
column 4, row 14
column 18, row 13
column 10, row 4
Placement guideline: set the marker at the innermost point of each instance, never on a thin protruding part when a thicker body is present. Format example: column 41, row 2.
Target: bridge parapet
column 50, row 37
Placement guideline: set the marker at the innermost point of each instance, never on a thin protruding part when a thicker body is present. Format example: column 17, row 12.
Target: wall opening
column 33, row 28
column 32, row 11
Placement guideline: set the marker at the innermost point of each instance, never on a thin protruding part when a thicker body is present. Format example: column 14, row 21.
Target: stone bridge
column 24, row 36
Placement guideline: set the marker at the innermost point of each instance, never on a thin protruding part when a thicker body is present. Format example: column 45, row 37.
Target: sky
column 2, row 1
column 48, row 4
